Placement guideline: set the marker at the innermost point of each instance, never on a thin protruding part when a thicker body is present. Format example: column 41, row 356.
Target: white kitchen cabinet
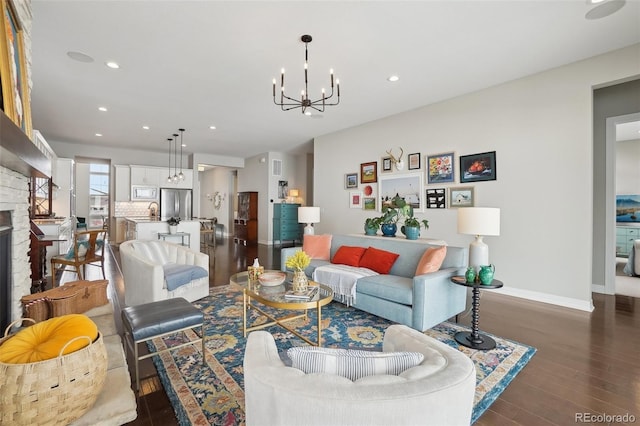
column 122, row 182
column 187, row 183
column 141, row 175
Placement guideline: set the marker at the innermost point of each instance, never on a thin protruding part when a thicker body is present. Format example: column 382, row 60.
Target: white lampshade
column 479, row 221
column 294, row 193
column 308, row 215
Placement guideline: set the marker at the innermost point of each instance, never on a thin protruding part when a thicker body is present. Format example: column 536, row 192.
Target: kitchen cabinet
column 187, row 183
column 246, row 225
column 625, row 236
column 122, row 182
column 151, row 176
column 285, row 223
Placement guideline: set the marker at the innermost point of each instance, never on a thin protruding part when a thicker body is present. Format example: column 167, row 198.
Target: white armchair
column 143, row 268
column 439, row 391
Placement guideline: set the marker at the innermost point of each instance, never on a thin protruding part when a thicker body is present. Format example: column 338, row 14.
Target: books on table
column 307, row 295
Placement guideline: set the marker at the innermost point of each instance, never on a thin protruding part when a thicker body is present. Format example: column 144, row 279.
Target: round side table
column 473, row 339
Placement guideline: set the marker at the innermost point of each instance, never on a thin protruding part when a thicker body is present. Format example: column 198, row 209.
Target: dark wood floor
column 585, row 362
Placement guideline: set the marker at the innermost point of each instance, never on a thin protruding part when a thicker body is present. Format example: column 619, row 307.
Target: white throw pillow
column 350, row 363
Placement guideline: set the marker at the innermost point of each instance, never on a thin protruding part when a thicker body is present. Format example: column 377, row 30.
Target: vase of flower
column 300, row 282
column 298, row 263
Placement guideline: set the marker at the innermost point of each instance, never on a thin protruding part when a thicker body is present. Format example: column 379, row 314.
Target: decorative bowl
column 270, row 279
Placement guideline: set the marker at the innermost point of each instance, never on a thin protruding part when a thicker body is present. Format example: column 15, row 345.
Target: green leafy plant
column 173, row 221
column 373, row 222
column 399, row 209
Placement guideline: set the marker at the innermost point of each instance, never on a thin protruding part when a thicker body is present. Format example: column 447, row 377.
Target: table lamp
column 293, row 194
column 308, row 215
column 478, row 221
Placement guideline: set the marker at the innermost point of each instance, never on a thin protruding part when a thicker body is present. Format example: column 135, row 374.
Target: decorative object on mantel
column 287, row 103
column 479, row 221
column 398, row 162
column 308, row 215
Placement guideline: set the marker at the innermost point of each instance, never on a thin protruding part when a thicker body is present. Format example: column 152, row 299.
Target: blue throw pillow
column 83, row 246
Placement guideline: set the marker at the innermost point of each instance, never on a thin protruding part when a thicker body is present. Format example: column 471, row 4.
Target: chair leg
column 53, row 274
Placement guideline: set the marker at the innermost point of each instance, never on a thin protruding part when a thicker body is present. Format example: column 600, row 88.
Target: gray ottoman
column 158, row 319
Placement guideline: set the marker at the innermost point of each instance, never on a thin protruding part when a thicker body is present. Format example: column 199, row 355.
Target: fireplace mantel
column 18, row 152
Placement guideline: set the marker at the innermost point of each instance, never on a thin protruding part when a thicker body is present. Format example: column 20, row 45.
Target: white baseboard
column 567, row 302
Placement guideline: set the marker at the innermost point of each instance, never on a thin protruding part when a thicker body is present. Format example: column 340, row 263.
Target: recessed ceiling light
column 98, row 134
column 594, row 1
column 605, row 9
column 307, row 113
column 113, row 65
column 80, row 57
column 212, row 127
column 184, row 145
column 103, row 109
column 393, row 78
column 145, row 127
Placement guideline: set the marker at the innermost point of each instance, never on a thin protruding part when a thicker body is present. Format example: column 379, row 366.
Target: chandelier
column 176, row 177
column 287, row 103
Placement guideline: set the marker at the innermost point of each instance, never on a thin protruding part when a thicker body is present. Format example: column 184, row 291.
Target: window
column 98, row 194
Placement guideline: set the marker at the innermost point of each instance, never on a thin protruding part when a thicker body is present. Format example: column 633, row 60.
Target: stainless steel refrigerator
column 175, row 203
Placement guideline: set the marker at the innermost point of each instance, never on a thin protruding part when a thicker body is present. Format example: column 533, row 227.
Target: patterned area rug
column 213, row 394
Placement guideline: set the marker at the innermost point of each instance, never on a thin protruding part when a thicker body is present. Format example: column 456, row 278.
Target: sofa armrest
column 436, row 298
column 284, row 255
column 141, row 278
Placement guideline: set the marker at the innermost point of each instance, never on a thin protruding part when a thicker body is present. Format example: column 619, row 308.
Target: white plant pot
column 173, row 229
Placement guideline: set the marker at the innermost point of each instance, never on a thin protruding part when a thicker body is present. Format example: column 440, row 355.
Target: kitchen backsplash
column 131, row 208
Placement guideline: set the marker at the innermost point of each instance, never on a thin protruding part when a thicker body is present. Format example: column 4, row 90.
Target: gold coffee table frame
column 274, row 298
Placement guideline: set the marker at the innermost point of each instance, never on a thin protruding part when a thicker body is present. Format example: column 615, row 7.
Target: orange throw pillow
column 378, row 260
column 317, row 246
column 45, row 339
column 431, row 260
column 347, row 255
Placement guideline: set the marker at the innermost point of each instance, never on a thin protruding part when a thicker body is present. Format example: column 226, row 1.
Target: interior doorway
column 92, row 196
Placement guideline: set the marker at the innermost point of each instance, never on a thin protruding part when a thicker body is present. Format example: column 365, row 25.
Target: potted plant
column 371, row 225
column 411, row 227
column 299, row 262
column 173, row 224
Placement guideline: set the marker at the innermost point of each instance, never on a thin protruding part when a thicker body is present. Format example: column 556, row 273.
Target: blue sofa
column 419, row 302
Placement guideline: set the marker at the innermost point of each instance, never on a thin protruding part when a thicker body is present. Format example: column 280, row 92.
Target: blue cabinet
column 285, row 223
column 625, row 236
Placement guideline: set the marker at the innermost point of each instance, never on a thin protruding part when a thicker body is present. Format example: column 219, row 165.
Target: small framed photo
column 414, row 161
column 440, row 168
column 369, row 172
column 478, row 167
column 461, row 196
column 350, row 180
column 386, row 164
column 355, row 199
column 369, row 203
column 437, row 198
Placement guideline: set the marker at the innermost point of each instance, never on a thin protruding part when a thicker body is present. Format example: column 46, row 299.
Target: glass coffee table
column 274, row 297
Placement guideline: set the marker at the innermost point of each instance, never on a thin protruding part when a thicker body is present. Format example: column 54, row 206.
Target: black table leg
column 474, row 339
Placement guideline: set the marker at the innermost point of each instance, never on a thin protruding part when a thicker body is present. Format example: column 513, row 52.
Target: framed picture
column 350, row 180
column 369, row 203
column 355, row 199
column 369, row 172
column 461, row 196
column 13, row 69
column 440, row 168
column 386, row 164
column 414, row 161
column 407, row 185
column 283, row 189
column 478, row 167
column 437, row 198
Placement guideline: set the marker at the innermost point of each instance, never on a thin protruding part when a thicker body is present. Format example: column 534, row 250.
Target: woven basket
column 74, row 297
column 52, row 392
column 90, row 294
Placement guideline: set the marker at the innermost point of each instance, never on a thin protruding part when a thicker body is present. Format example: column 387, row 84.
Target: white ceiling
column 193, row 64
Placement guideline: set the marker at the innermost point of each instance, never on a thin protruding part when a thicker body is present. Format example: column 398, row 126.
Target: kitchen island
column 148, row 229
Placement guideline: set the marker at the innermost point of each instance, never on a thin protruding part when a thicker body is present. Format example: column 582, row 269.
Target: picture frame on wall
column 13, row 69
column 414, row 161
column 369, row 203
column 437, row 198
column 409, row 186
column 461, row 196
column 283, row 189
column 440, row 168
column 369, row 172
column 355, row 199
column 386, row 164
column 478, row 167
column 350, row 180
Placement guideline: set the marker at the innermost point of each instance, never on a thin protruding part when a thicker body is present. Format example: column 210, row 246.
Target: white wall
column 82, row 190
column 541, row 128
column 628, row 167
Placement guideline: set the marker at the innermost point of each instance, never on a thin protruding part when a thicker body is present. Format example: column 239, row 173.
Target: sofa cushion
column 387, row 287
column 378, row 260
column 317, row 246
column 352, row 364
column 152, row 250
column 45, row 339
column 348, row 255
column 431, row 260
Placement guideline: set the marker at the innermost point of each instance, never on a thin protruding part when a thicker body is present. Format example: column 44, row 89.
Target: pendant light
column 175, row 160
column 169, row 179
column 181, row 175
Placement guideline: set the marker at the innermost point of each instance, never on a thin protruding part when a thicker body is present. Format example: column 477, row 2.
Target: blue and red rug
column 213, row 394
